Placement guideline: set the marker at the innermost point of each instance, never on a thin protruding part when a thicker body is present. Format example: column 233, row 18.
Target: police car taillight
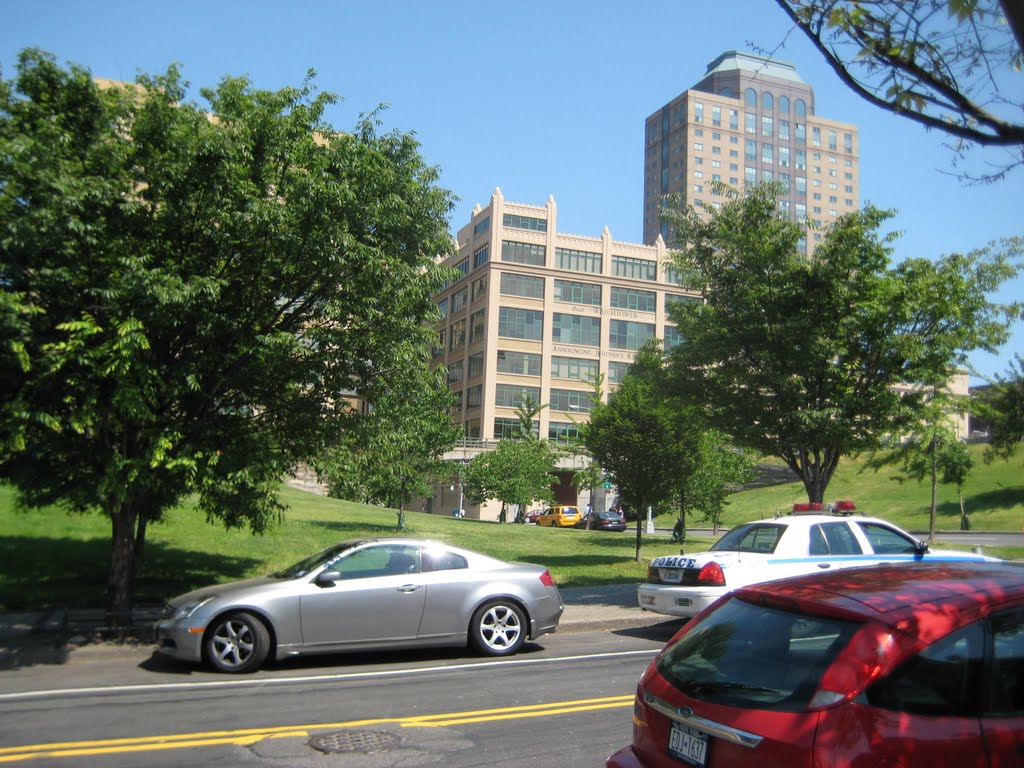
column 712, row 575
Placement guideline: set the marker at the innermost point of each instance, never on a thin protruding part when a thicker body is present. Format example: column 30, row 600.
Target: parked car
column 913, row 665
column 532, row 516
column 559, row 516
column 684, row 585
column 360, row 595
column 603, row 521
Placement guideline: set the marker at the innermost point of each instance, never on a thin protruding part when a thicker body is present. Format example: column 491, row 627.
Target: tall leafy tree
column 635, row 438
column 933, row 453
column 194, row 291
column 1005, row 401
column 951, row 65
column 517, row 471
column 394, row 453
column 813, row 359
column 714, row 468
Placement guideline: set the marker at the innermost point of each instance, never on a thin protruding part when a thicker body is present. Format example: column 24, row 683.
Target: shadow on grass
column 40, row 573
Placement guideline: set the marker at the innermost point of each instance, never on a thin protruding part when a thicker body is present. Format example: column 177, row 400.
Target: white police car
column 683, row 585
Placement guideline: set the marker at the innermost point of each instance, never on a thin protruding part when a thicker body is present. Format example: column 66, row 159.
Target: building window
column 750, row 98
column 564, row 432
column 800, row 108
column 481, row 256
column 766, row 175
column 751, row 122
column 801, row 133
column 455, row 371
column 627, row 298
column 505, row 427
column 784, row 130
column 570, row 400
column 439, row 344
column 636, row 269
column 767, row 102
column 576, row 329
column 815, row 136
column 459, row 300
column 523, row 253
column 511, row 395
column 627, row 334
column 716, row 116
column 832, row 141
column 474, row 395
column 848, row 142
column 784, row 105
column 479, row 289
column 801, row 160
column 577, row 293
column 698, row 112
column 672, row 337
column 476, row 326
column 734, row 119
column 578, row 261
column 457, row 401
column 617, row 372
column 476, row 365
column 514, row 323
column 525, row 222
column 767, row 126
column 442, row 308
column 671, row 299
column 784, row 157
column 457, row 336
column 750, row 175
column 573, row 368
column 750, row 150
column 463, row 267
column 522, row 285
column 767, row 154
column 521, row 363
column 482, row 226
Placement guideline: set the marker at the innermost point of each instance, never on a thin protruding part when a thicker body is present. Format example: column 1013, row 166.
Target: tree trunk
column 935, row 487
column 121, row 581
column 140, row 540
column 639, row 516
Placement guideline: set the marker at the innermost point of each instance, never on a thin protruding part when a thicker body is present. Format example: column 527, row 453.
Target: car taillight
column 546, row 580
column 711, row 574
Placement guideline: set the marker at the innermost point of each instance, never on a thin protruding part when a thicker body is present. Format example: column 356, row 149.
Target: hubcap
column 500, row 627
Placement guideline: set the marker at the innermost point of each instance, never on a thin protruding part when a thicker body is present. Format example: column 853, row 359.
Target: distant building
column 541, row 313
column 750, row 119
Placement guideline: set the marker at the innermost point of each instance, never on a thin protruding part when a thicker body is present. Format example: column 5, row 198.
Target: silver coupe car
column 361, row 595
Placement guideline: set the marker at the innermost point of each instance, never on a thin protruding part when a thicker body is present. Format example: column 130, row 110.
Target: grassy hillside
column 49, row 558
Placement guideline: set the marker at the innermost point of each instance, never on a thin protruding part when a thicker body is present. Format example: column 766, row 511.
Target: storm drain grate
column 353, row 741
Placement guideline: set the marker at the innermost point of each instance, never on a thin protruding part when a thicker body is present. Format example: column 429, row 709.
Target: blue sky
column 538, row 97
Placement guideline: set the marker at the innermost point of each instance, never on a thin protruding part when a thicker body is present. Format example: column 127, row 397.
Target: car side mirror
column 327, row 578
column 921, row 547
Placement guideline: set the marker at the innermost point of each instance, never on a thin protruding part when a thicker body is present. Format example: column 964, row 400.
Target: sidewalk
column 48, row 636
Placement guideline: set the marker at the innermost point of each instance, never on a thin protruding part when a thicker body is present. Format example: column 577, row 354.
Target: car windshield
column 756, row 656
column 753, row 537
column 313, row 562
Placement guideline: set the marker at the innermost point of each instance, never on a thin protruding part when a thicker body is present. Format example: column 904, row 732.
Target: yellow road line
column 247, row 736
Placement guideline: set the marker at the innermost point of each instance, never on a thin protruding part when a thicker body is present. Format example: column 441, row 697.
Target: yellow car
column 559, row 517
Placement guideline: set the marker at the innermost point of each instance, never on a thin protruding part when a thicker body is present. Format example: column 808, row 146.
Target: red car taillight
column 859, row 663
column 546, row 580
column 712, row 575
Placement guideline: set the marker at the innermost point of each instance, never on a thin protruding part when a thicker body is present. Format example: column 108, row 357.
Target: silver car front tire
column 236, row 642
column 498, row 628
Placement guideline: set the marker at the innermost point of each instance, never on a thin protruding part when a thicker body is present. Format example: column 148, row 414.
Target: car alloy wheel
column 237, row 642
column 498, row 628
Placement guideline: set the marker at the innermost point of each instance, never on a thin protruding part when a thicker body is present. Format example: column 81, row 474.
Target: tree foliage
column 812, row 359
column 1005, row 401
column 394, row 453
column 518, row 471
column 635, row 438
column 952, row 65
column 192, row 293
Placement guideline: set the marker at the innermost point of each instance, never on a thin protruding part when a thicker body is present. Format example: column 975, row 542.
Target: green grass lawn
column 49, row 558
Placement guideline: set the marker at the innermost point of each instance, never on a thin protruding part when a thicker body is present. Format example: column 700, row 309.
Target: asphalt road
column 565, row 701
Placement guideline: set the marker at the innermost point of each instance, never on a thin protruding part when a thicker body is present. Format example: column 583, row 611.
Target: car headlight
column 187, row 609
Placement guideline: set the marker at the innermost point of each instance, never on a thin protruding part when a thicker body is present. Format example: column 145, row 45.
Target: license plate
column 671, row 575
column 688, row 744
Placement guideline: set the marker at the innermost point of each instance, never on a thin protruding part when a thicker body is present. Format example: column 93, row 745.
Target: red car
column 890, row 666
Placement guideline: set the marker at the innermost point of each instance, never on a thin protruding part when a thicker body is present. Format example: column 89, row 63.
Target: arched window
column 784, row 105
column 767, row 102
column 800, row 108
column 727, row 92
column 750, row 97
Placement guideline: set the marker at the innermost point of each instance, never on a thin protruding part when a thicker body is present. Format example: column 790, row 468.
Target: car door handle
column 823, row 566
column 408, row 588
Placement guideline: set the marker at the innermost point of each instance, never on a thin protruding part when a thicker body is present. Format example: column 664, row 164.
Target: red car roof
column 894, row 593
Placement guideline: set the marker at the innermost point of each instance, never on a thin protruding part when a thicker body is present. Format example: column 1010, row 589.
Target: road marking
column 249, row 736
column 264, row 682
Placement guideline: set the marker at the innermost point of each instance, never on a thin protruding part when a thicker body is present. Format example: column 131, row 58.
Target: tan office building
column 750, row 119
column 537, row 312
